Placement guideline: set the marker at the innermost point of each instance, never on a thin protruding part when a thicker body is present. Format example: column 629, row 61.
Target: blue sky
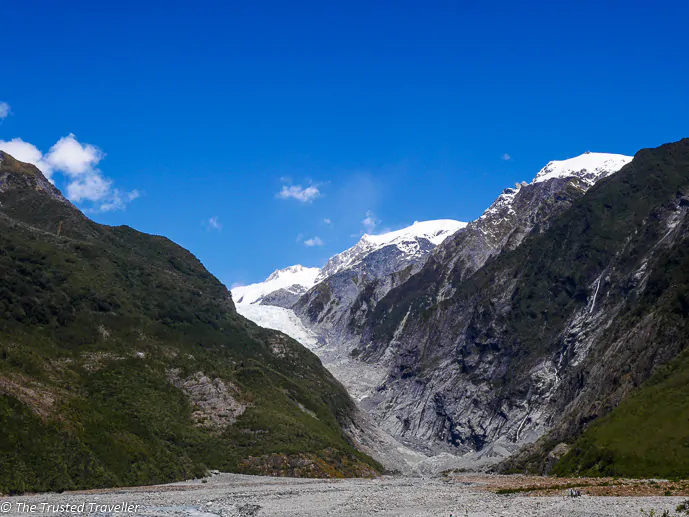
column 205, row 111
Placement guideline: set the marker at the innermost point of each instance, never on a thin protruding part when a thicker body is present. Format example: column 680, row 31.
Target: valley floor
column 231, row 495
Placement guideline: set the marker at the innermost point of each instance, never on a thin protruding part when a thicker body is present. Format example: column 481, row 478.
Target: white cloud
column 119, row 200
column 506, row 157
column 74, row 158
column 305, row 195
column 370, row 222
column 90, row 187
column 313, row 241
column 214, row 223
column 4, row 110
column 78, row 163
column 327, row 221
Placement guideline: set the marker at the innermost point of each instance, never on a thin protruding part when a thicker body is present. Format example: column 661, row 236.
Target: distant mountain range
column 284, row 286
column 506, row 340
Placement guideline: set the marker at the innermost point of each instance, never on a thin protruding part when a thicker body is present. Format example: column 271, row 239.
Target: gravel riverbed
column 232, row 495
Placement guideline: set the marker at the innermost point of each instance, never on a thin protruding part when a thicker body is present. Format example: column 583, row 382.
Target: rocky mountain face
column 418, row 385
column 534, row 327
column 542, row 332
column 335, row 300
column 517, row 212
column 352, row 282
column 411, row 245
column 123, row 362
column 443, row 353
column 520, row 210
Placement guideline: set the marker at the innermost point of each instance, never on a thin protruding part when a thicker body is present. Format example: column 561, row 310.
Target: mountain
column 434, row 383
column 281, row 287
column 522, row 209
column 537, row 336
column 410, row 244
column 406, row 384
column 588, row 167
column 520, row 333
column 348, row 284
column 124, row 362
column 339, row 309
column 355, row 279
column 419, row 399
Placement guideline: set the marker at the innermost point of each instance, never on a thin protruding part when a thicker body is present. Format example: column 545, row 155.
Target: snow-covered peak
column 298, row 279
column 295, row 271
column 589, row 166
column 435, row 231
column 407, row 240
column 293, row 275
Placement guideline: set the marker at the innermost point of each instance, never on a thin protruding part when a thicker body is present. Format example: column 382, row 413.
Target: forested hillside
column 123, row 361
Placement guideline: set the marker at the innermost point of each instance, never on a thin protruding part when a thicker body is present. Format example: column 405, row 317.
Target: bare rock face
column 554, row 456
column 18, row 175
column 534, row 319
column 537, row 318
column 409, row 369
column 433, row 361
column 284, row 297
column 216, row 402
column 350, row 285
column 335, row 305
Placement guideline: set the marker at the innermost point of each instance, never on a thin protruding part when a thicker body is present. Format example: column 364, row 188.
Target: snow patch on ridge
column 406, row 239
column 279, row 279
column 589, row 166
column 435, row 231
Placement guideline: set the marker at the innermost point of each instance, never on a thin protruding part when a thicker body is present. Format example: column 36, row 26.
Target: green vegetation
column 616, row 229
column 646, row 435
column 538, row 488
column 92, row 323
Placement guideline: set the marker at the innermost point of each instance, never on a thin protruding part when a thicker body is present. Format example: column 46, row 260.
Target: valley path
column 231, row 495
